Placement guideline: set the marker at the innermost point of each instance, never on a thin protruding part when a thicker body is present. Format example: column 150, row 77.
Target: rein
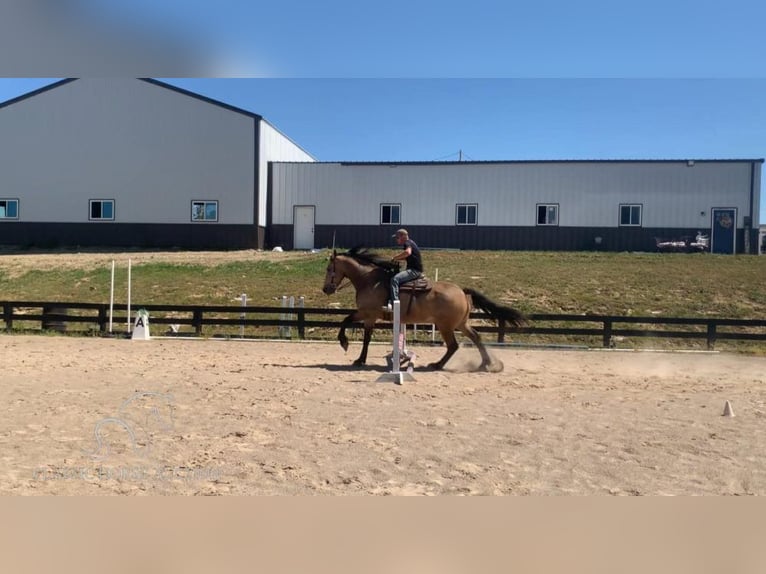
column 343, row 285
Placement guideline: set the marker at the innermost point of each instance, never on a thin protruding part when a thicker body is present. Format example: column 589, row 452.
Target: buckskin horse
column 443, row 304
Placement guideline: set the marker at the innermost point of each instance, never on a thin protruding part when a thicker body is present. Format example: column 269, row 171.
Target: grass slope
column 677, row 285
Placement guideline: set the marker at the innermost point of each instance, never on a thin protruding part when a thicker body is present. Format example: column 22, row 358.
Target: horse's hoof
column 344, row 346
column 359, row 363
column 434, row 367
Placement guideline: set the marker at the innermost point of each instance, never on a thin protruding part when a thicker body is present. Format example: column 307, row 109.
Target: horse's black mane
column 367, row 257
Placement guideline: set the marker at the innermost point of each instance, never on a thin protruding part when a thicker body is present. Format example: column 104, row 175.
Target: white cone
column 727, row 410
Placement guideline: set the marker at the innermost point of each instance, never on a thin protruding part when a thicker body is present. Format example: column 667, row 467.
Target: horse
column 445, row 305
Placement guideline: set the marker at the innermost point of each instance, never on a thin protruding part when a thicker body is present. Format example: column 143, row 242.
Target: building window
column 204, row 211
column 547, row 214
column 101, row 210
column 9, row 208
column 466, row 213
column 390, row 213
column 630, row 215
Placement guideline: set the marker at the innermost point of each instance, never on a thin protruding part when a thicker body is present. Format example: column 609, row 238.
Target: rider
column 411, row 254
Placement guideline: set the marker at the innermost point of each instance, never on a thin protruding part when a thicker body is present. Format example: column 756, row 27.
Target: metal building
column 627, row 205
column 140, row 163
column 134, row 162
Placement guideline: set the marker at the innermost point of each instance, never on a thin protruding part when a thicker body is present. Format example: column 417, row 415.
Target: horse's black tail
column 496, row 311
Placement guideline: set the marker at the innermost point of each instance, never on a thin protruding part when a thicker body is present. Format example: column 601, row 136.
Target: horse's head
column 361, row 266
column 334, row 274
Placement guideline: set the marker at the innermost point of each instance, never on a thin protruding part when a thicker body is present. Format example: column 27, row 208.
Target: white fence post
column 290, row 317
column 130, row 281
column 243, row 297
column 111, row 300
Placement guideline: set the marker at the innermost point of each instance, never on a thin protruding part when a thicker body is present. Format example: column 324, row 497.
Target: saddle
column 421, row 284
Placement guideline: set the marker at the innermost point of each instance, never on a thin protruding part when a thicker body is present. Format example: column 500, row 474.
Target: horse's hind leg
column 471, row 333
column 452, row 347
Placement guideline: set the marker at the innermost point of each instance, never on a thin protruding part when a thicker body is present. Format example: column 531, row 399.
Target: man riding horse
column 442, row 304
column 411, row 254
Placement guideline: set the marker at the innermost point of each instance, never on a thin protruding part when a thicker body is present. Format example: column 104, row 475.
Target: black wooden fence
column 56, row 315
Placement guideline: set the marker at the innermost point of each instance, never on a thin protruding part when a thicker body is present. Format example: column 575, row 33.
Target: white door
column 303, row 227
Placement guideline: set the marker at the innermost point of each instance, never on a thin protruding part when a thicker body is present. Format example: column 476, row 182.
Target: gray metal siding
column 274, row 146
column 674, row 194
column 149, row 148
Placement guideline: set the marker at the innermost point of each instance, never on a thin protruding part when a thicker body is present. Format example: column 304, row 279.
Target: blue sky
column 425, row 79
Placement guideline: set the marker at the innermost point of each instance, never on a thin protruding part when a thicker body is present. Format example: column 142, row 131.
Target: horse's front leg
column 365, row 345
column 347, row 322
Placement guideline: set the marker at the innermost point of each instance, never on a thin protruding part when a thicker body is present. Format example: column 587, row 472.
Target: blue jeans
column 402, row 277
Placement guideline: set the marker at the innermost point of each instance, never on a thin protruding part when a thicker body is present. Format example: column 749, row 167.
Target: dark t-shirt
column 414, row 261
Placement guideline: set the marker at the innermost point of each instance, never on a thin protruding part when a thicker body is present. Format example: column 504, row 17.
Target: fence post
column 291, row 306
column 8, row 313
column 301, row 315
column 53, row 324
column 282, row 317
column 501, row 331
column 243, row 298
column 607, row 333
column 197, row 321
column 102, row 319
column 711, row 335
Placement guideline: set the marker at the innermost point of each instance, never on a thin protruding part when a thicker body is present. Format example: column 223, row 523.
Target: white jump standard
column 396, row 375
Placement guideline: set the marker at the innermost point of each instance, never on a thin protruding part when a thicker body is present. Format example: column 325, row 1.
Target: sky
column 424, row 80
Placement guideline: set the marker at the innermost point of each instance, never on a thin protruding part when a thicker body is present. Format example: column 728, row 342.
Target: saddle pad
column 419, row 284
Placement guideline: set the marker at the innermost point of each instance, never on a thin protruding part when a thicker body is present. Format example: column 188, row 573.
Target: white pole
column 129, row 285
column 111, row 299
column 396, row 375
column 290, row 317
column 397, row 335
column 242, row 316
column 301, row 303
column 282, row 316
column 433, row 327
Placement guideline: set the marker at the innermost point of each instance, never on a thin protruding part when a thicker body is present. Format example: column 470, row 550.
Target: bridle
column 332, row 277
column 350, row 282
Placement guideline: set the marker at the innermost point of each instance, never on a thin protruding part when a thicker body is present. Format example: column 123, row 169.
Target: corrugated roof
column 528, row 161
column 60, row 83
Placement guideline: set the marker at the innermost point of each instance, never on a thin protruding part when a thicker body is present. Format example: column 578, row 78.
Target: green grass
column 638, row 284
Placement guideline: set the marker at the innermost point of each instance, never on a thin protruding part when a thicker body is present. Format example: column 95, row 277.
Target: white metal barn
column 140, row 163
column 134, row 162
column 541, row 205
